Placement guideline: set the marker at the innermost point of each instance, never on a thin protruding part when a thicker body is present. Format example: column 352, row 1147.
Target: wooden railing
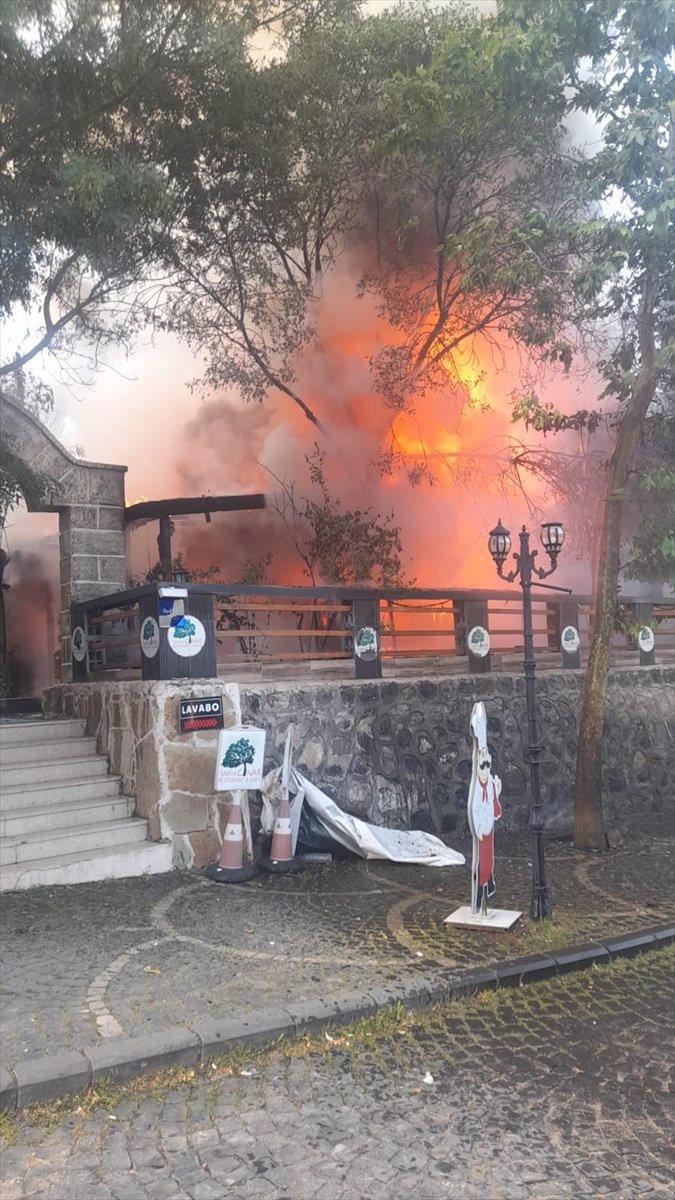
column 130, row 633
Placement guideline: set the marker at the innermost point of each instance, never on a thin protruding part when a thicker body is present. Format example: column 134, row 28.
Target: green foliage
column 350, row 546
column 481, row 201
column 546, row 418
column 621, row 287
column 652, row 550
column 17, row 481
column 106, row 108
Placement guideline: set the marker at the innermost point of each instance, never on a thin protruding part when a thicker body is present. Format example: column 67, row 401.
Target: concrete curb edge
column 50, row 1077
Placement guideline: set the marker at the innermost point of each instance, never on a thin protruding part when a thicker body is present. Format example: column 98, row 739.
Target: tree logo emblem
column 365, row 643
column 184, row 629
column 570, row 639
column 149, row 637
column 239, row 754
column 479, row 641
column 646, row 639
column 187, row 636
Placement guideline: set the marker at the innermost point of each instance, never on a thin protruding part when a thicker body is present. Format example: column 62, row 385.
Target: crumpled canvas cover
column 368, row 841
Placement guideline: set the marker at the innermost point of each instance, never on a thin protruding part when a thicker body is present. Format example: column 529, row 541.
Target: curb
column 50, row 1077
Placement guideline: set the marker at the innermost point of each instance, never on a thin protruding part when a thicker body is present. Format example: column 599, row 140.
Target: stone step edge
column 50, row 1077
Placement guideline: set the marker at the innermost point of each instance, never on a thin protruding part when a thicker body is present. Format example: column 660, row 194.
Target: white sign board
column 150, row 637
column 187, row 637
column 365, row 643
column 78, row 644
column 569, row 639
column 239, row 762
column 479, row 641
column 646, row 639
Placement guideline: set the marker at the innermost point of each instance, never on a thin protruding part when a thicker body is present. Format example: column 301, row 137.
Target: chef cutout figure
column 484, row 809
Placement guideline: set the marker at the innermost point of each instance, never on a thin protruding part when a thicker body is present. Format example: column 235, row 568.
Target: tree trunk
column 589, row 826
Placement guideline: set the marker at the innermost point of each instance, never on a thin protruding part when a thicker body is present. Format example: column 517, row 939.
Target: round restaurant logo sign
column 479, row 641
column 365, row 643
column 187, row 637
column 569, row 639
column 646, row 639
column 150, row 637
column 78, row 643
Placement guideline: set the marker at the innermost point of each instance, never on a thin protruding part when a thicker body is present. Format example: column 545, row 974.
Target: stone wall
column 170, row 774
column 397, row 753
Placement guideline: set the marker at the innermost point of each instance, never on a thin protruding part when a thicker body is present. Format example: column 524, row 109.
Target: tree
column 155, row 172
column 239, row 754
column 623, row 281
column 336, row 545
column 271, row 210
column 103, row 106
column 651, row 500
column 473, row 203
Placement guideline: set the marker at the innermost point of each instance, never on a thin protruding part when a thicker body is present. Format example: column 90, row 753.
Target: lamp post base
column 540, row 905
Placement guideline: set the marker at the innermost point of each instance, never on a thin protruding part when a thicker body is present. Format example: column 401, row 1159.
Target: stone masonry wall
column 397, row 753
column 170, row 774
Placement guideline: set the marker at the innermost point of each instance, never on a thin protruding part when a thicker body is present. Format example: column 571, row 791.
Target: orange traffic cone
column 280, row 859
column 231, row 867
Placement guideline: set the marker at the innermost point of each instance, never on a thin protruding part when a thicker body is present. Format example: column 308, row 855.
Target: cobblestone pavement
column 558, row 1089
column 129, row 956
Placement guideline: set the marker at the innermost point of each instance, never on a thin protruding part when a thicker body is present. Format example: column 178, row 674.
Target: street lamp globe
column 499, row 543
column 552, row 539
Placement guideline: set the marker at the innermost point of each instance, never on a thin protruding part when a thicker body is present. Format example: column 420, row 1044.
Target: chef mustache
column 484, row 763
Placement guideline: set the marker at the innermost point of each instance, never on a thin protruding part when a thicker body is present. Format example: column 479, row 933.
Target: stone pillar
column 92, row 542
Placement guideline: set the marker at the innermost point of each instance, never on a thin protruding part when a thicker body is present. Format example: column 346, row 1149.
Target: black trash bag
column 313, row 839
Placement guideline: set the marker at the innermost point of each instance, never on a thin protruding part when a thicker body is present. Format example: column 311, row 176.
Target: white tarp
column 369, row 841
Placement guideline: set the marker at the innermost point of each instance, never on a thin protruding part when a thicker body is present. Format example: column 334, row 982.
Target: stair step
column 24, row 752
column 48, row 843
column 87, row 866
column 41, row 795
column 46, row 771
column 65, row 816
column 13, row 733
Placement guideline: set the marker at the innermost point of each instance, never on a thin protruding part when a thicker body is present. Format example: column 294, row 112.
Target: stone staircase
column 62, row 817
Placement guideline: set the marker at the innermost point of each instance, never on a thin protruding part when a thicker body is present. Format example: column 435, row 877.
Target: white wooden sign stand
column 239, row 761
column 484, row 808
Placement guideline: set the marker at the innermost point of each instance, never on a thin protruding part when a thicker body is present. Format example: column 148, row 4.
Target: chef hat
column 479, row 723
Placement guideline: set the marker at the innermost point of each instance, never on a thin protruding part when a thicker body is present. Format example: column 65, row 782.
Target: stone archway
column 89, row 498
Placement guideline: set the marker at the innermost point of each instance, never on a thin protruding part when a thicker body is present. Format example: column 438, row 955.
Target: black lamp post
column 499, row 543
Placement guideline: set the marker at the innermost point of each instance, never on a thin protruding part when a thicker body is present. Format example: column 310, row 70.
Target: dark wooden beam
column 153, row 510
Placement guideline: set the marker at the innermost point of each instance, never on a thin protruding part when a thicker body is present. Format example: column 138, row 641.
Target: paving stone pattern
column 559, row 1089
column 127, row 957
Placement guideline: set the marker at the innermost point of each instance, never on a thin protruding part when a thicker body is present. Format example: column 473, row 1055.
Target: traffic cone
column 281, row 860
column 231, row 867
